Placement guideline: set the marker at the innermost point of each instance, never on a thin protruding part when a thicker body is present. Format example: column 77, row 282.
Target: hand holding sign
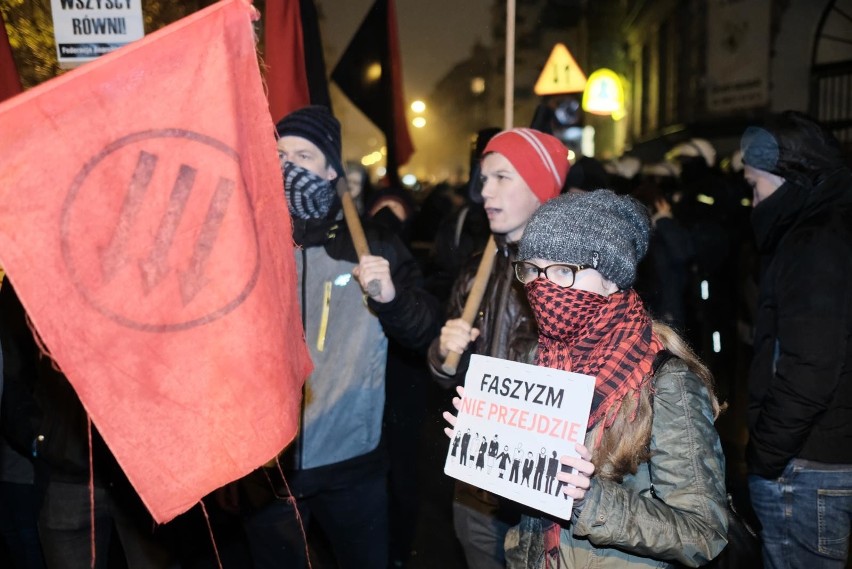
column 449, row 417
column 578, row 478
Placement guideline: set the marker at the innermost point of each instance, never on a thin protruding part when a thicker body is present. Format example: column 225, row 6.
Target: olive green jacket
column 673, row 510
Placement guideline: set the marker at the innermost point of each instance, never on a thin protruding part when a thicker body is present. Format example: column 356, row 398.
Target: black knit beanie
column 316, row 124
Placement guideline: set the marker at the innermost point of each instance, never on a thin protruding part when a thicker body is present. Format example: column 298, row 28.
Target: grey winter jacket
column 347, row 336
column 671, row 511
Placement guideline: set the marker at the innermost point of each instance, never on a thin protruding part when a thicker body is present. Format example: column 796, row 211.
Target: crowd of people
column 647, row 279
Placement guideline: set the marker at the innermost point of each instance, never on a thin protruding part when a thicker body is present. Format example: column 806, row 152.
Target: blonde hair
column 624, row 445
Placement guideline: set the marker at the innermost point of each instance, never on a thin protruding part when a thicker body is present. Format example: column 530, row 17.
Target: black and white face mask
column 309, row 196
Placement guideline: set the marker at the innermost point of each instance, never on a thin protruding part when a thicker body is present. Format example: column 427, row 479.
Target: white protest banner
column 86, row 29
column 515, row 421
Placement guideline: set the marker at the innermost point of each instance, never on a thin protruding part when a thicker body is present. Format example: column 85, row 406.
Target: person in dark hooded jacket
column 799, row 454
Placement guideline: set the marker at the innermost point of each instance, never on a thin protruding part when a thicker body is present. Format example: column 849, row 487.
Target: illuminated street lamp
column 604, row 94
column 418, row 106
column 374, row 72
column 419, row 122
column 372, row 158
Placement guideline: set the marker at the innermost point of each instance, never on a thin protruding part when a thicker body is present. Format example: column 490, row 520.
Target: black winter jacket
column 42, row 416
column 800, row 385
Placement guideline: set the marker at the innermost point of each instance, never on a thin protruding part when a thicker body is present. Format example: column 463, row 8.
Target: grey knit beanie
column 601, row 229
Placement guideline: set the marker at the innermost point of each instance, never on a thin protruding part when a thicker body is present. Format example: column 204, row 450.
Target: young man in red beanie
column 521, row 169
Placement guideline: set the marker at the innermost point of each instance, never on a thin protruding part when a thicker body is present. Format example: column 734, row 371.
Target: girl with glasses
column 648, row 484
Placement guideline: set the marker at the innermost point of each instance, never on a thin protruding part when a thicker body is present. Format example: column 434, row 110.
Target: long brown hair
column 624, row 445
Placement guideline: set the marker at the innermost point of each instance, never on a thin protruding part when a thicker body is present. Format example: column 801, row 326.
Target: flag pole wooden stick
column 483, row 272
column 509, row 110
column 356, row 230
column 474, row 299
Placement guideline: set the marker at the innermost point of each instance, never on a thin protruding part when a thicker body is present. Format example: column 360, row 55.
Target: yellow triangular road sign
column 561, row 74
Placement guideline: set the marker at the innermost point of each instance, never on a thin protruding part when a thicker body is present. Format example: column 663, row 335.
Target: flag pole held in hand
column 356, row 230
column 474, row 299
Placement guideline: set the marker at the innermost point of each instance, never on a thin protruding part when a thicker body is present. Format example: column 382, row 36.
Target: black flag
column 370, row 74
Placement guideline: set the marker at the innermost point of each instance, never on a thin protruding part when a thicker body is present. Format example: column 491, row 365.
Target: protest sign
column 515, row 421
column 87, row 29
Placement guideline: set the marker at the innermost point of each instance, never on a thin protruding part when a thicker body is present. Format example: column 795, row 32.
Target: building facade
column 707, row 68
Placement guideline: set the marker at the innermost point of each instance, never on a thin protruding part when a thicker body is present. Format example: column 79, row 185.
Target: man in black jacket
column 799, row 454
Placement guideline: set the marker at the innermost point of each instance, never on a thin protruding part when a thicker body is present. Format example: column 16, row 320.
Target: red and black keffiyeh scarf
column 608, row 337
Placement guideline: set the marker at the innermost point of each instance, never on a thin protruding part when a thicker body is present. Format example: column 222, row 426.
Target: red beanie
column 540, row 159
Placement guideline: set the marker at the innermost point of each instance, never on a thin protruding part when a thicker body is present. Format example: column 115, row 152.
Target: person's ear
column 330, row 174
column 610, row 287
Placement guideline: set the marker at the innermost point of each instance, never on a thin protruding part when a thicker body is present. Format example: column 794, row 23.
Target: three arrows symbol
column 155, row 267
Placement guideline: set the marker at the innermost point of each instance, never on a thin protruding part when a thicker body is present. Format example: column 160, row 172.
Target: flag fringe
column 292, row 499
column 210, row 530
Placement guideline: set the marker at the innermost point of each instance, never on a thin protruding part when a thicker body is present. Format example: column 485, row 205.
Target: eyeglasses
column 561, row 274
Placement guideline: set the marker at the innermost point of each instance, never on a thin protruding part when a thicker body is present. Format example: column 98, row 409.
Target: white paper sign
column 738, row 44
column 516, row 420
column 86, row 29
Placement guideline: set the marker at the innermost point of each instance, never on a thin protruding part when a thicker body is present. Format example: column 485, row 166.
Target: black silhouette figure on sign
column 456, row 442
column 552, row 469
column 528, row 468
column 516, row 463
column 480, row 457
column 493, row 449
column 539, row 468
column 503, row 460
column 464, row 444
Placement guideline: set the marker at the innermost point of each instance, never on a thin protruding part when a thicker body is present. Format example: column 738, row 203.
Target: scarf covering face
column 309, row 196
column 608, row 337
column 772, row 217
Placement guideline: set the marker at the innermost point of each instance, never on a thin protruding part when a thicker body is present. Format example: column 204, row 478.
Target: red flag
column 370, row 73
column 10, row 83
column 403, row 146
column 143, row 225
column 286, row 78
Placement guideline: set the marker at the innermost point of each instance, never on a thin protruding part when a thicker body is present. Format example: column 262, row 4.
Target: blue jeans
column 805, row 515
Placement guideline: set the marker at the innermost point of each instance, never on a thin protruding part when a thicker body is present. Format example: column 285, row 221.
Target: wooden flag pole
column 509, row 110
column 356, row 230
column 474, row 299
column 483, row 272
